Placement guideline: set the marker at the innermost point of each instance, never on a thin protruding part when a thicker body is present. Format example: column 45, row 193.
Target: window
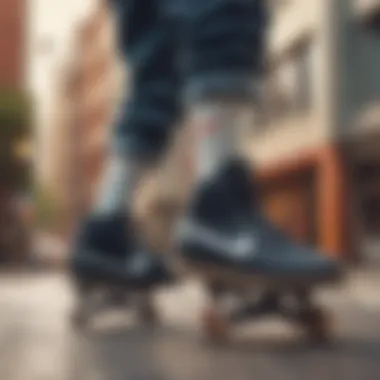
column 288, row 84
column 366, row 78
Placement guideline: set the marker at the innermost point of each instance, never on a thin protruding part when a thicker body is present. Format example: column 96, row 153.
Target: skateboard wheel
column 318, row 324
column 215, row 326
column 147, row 313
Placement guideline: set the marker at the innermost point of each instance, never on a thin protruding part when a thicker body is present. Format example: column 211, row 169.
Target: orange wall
column 290, row 205
column 331, row 190
column 12, row 38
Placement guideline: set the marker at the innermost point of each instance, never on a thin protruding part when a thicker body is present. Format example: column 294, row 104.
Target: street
column 37, row 342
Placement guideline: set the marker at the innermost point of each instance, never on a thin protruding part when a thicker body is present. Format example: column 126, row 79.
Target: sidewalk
column 50, row 250
column 363, row 286
column 183, row 303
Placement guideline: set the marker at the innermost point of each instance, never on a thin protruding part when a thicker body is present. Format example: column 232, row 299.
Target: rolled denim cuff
column 226, row 48
column 224, row 86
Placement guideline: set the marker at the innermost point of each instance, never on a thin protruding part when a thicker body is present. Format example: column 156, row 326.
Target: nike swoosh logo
column 239, row 247
column 138, row 264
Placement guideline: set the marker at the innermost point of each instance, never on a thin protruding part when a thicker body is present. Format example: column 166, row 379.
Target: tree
column 15, row 112
column 14, row 127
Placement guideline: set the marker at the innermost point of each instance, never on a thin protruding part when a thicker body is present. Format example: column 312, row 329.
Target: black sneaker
column 106, row 251
column 226, row 230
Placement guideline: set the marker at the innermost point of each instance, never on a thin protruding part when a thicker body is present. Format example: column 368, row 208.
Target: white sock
column 119, row 182
column 217, row 127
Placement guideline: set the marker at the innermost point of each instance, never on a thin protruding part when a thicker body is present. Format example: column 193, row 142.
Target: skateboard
column 94, row 297
column 236, row 299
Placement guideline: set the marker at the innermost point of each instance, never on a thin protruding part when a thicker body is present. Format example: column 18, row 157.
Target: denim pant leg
column 148, row 40
column 226, row 42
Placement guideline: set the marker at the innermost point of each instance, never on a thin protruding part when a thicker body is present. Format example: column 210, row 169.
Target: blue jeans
column 183, row 49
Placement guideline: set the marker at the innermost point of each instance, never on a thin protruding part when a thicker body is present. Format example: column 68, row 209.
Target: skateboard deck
column 256, row 297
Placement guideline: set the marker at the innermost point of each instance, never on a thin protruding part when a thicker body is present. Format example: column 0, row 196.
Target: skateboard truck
column 93, row 298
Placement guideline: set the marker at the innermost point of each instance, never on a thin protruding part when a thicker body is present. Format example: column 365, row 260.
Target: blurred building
column 12, row 43
column 93, row 85
column 49, row 30
column 312, row 140
column 14, row 237
column 72, row 70
column 360, row 121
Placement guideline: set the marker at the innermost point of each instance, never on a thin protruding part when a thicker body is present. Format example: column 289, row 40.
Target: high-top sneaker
column 106, row 250
column 225, row 230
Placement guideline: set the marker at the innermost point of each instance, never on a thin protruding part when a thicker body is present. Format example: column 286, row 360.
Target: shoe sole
column 110, row 277
column 101, row 283
column 240, row 281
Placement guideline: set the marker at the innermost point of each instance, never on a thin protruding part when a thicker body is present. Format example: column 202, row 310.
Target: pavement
column 38, row 343
column 49, row 250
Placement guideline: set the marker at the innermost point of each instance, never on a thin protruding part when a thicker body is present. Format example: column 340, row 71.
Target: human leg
column 224, row 225
column 107, row 238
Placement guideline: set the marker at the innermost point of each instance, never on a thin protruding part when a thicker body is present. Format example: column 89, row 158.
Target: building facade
column 12, row 43
column 51, row 27
column 360, row 121
column 319, row 52
column 94, row 87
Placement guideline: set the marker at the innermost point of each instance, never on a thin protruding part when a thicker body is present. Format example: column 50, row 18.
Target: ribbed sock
column 119, row 183
column 217, row 134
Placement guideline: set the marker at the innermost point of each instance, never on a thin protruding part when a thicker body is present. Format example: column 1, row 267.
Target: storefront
column 307, row 196
column 363, row 159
